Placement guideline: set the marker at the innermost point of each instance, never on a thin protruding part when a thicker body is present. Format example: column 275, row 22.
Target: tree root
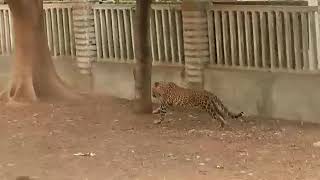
column 22, row 94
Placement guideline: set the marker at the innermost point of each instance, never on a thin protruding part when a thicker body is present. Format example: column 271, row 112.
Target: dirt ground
column 40, row 141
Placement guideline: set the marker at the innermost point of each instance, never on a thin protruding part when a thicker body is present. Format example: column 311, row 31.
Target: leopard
column 171, row 95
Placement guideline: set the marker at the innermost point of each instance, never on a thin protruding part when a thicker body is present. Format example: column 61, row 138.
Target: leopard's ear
column 156, row 84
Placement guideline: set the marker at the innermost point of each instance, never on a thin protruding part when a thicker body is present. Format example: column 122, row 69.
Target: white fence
column 269, row 38
column 59, row 30
column 275, row 38
column 114, row 26
column 6, row 39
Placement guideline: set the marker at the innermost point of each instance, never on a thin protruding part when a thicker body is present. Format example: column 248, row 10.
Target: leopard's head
column 162, row 88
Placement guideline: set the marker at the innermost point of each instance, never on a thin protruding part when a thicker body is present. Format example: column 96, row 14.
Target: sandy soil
column 40, row 141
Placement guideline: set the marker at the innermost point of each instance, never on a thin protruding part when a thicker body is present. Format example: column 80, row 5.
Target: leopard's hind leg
column 214, row 113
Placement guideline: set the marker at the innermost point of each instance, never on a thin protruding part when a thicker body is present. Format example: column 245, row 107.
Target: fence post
column 314, row 38
column 317, row 29
column 86, row 50
column 196, row 42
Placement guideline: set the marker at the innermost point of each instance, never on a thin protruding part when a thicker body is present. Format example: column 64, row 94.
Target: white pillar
column 83, row 23
column 196, row 42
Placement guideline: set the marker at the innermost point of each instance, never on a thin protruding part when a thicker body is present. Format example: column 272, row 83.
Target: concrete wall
column 276, row 95
column 107, row 78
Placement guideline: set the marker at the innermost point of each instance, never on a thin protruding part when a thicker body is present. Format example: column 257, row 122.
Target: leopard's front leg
column 157, row 111
column 162, row 110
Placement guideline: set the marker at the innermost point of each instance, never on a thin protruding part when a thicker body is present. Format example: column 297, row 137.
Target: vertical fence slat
column 280, row 45
column 115, row 28
column 217, row 23
column 288, row 40
column 71, row 35
column 264, row 45
column 60, row 36
column 313, row 42
column 121, row 34
column 165, row 35
column 11, row 32
column 233, row 35
column 256, row 38
column 248, row 38
column 102, row 14
column 114, row 32
column 240, row 38
column 179, row 36
column 107, row 30
column 211, row 37
column 7, row 31
column 157, row 23
column 271, row 40
column 296, row 41
column 225, row 38
column 152, row 37
column 159, row 36
column 172, row 36
column 127, row 32
column 54, row 31
column 66, row 37
column 2, row 36
column 132, row 33
column 305, row 40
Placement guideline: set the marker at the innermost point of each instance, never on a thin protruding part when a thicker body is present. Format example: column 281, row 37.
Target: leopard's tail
column 232, row 115
column 224, row 110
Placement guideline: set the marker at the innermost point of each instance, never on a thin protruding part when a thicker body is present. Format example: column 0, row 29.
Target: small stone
column 316, row 144
column 243, row 153
column 10, row 164
column 191, row 131
column 203, row 172
column 191, row 116
column 157, row 121
column 219, row 167
column 202, row 164
column 198, row 157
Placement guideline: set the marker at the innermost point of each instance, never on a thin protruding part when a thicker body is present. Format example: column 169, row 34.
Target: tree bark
column 33, row 73
column 142, row 71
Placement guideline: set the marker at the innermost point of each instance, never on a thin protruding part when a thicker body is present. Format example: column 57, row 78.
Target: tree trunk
column 33, row 72
column 142, row 71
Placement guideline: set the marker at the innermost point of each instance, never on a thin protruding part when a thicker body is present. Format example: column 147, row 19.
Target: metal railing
column 58, row 25
column 114, row 26
column 273, row 38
